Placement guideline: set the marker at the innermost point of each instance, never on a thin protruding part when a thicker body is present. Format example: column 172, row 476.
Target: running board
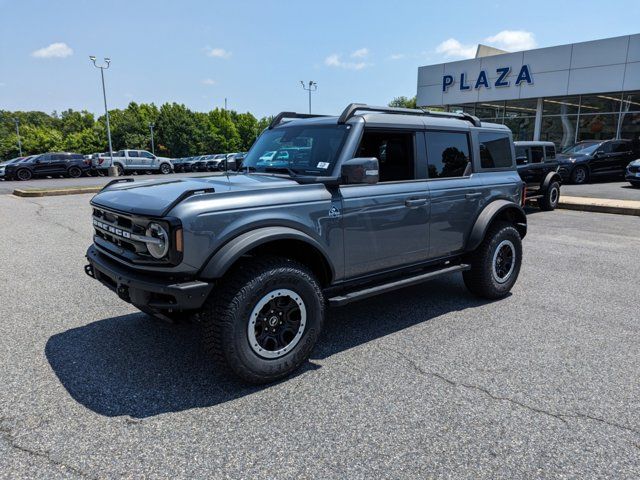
column 340, row 300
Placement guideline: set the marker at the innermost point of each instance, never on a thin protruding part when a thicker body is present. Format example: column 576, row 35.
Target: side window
column 448, row 154
column 606, row 148
column 621, row 147
column 522, row 157
column 394, row 151
column 537, row 155
column 550, row 152
column 495, row 150
column 145, row 154
column 133, row 154
column 119, row 153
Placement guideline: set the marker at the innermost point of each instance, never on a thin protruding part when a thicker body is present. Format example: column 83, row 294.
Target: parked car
column 216, row 163
column 633, row 173
column 538, row 169
column 188, row 163
column 72, row 165
column 130, row 161
column 8, row 162
column 585, row 160
column 390, row 198
column 237, row 160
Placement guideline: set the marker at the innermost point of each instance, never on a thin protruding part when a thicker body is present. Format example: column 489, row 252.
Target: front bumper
column 632, row 177
column 145, row 290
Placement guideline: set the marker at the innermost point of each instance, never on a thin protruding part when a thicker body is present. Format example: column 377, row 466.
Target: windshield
column 586, row 147
column 303, row 149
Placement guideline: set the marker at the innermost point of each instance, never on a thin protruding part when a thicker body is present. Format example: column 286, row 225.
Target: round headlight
column 160, row 247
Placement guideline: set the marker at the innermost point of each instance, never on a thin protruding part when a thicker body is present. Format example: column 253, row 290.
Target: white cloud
column 2, row 84
column 335, row 60
column 452, row 48
column 55, row 50
column 360, row 53
column 397, row 56
column 509, row 40
column 208, row 81
column 218, row 53
column 512, row 40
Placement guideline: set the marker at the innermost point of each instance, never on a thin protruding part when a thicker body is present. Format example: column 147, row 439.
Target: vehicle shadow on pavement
column 133, row 365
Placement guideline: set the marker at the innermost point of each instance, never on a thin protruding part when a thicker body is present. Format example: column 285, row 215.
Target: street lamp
column 17, row 122
column 153, row 148
column 310, row 87
column 113, row 172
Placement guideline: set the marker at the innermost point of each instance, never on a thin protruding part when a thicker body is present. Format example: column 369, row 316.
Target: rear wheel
column 495, row 264
column 265, row 319
column 549, row 201
column 580, row 175
column 74, row 172
column 24, row 174
column 120, row 170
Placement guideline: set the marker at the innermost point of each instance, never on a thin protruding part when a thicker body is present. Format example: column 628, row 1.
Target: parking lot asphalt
column 421, row 383
column 602, row 189
column 7, row 187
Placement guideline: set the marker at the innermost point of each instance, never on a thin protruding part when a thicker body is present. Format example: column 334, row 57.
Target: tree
column 403, row 102
column 176, row 129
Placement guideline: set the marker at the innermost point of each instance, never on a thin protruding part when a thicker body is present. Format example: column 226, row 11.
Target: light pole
column 17, row 122
column 153, row 147
column 310, row 87
column 113, row 172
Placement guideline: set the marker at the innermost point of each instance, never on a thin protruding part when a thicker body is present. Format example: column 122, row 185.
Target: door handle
column 472, row 195
column 415, row 202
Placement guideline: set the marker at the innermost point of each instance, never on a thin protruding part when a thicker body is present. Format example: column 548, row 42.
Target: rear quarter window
column 495, row 150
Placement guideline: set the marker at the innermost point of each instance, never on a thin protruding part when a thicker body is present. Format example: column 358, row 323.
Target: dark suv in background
column 591, row 158
column 72, row 165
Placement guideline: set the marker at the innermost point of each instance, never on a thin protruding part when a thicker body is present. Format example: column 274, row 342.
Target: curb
column 49, row 192
column 600, row 205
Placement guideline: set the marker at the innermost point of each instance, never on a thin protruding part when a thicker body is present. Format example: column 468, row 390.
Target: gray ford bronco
column 327, row 211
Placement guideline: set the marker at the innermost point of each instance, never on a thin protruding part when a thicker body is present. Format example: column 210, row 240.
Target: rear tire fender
column 497, row 210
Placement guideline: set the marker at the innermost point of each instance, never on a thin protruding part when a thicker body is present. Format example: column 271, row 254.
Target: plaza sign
column 482, row 80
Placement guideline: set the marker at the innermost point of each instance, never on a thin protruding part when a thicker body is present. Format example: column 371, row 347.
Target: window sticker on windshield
column 323, row 165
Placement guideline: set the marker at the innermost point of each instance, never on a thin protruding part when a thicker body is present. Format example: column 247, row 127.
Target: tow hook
column 123, row 293
column 88, row 269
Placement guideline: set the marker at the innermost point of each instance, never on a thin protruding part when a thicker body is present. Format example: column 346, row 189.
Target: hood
column 156, row 198
column 635, row 163
column 572, row 158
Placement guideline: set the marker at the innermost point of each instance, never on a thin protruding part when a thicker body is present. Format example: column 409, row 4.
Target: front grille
column 634, row 168
column 117, row 231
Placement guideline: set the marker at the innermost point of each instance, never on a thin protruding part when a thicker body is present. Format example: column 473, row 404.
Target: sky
column 255, row 53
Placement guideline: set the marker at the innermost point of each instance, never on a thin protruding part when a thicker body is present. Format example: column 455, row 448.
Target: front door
column 386, row 225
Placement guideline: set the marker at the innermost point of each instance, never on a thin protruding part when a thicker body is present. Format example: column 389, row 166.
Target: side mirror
column 360, row 170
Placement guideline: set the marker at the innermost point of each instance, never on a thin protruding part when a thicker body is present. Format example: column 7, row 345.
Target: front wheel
column 265, row 319
column 580, row 175
column 74, row 172
column 495, row 264
column 549, row 201
column 24, row 174
column 165, row 168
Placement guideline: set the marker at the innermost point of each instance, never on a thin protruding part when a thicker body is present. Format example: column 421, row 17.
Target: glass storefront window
column 600, row 103
column 630, row 126
column 520, row 108
column 491, row 112
column 631, row 102
column 521, row 127
column 560, row 105
column 559, row 129
column 597, row 127
column 468, row 108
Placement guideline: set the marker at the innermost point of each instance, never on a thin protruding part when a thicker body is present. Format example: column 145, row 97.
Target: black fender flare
column 551, row 176
column 231, row 251
column 492, row 211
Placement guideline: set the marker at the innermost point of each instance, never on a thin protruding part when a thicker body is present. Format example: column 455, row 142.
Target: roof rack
column 278, row 119
column 352, row 108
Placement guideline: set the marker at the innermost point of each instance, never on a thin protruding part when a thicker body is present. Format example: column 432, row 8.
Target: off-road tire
column 549, row 201
column 480, row 278
column 228, row 311
column 577, row 177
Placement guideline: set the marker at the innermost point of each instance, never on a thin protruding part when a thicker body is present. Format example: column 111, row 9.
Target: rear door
column 132, row 159
column 550, row 160
column 622, row 152
column 386, row 225
column 455, row 191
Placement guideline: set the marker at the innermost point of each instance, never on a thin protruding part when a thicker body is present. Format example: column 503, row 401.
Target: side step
column 340, row 300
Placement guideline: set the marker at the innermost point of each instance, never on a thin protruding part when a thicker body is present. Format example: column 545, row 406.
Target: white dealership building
column 565, row 94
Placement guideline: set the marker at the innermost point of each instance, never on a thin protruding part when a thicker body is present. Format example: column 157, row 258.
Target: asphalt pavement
column 428, row 382
column 602, row 189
